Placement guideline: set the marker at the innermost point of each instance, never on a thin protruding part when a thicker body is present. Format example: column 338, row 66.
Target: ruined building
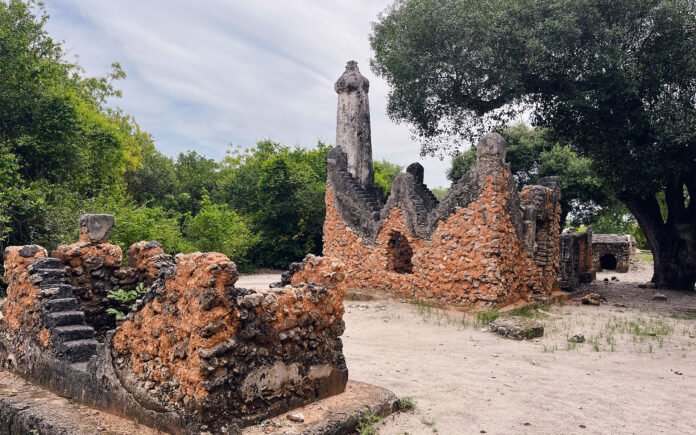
column 194, row 354
column 485, row 244
column 577, row 265
column 612, row 252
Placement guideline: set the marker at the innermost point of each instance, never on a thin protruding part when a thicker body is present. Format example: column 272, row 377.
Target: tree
column 616, row 79
column 281, row 191
column 216, row 228
column 196, row 176
column 532, row 155
column 57, row 138
column 385, row 172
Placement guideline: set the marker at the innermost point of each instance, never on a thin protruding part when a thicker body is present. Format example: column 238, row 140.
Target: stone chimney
column 353, row 123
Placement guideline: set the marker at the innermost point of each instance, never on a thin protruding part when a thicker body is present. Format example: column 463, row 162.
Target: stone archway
column 608, row 261
column 399, row 253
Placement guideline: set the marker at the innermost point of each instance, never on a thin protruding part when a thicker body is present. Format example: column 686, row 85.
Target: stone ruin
column 612, row 252
column 577, row 264
column 194, row 354
column 484, row 245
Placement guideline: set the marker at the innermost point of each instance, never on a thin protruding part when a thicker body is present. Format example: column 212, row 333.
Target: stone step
column 73, row 333
column 64, row 318
column 44, row 263
column 78, row 350
column 60, row 304
column 56, row 291
column 48, row 276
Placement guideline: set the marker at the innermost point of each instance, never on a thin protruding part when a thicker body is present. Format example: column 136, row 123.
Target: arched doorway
column 607, row 262
column 399, row 253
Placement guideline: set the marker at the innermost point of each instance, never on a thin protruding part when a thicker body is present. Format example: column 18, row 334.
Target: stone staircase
column 369, row 199
column 71, row 338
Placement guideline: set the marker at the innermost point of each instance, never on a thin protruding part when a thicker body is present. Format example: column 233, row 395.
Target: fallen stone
column 517, row 328
column 577, row 338
column 593, row 299
column 96, row 228
column 296, row 417
column 659, row 297
column 647, row 285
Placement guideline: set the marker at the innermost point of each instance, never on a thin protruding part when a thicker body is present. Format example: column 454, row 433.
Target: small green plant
column 367, row 422
column 407, row 403
column 486, row 317
column 125, row 298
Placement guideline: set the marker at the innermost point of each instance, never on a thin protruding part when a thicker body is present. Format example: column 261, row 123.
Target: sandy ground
column 635, row 374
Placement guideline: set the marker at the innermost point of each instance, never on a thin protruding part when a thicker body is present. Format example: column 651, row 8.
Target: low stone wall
column 194, row 354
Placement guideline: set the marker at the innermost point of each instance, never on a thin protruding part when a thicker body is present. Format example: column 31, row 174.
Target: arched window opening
column 399, row 253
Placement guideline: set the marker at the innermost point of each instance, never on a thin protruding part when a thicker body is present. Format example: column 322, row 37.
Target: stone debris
column 517, row 328
column 296, row 417
column 659, row 297
column 577, row 338
column 593, row 299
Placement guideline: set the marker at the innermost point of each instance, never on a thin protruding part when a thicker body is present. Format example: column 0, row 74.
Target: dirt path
column 467, row 381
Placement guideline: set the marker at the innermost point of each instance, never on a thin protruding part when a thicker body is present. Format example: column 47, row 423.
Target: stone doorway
column 399, row 253
column 608, row 262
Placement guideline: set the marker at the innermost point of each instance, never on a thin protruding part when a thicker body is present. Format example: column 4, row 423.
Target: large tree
column 615, row 78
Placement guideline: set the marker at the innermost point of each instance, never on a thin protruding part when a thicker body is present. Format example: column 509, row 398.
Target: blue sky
column 207, row 73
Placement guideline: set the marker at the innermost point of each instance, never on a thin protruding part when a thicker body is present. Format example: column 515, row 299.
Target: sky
column 207, row 73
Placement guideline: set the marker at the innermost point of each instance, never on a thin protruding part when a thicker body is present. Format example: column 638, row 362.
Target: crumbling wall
column 576, row 259
column 611, row 252
column 202, row 345
column 194, row 354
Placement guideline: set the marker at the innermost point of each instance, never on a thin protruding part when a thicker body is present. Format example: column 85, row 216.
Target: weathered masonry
column 577, row 264
column 486, row 244
column 611, row 252
column 194, row 354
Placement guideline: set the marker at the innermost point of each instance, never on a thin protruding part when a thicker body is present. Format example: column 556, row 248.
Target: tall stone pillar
column 353, row 123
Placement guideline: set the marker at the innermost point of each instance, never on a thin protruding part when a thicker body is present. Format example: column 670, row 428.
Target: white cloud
column 203, row 74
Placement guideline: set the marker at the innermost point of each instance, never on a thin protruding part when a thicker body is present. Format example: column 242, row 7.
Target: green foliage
column 196, row 177
column 367, row 422
column 407, row 403
column 440, row 192
column 216, row 228
column 616, row 219
column 281, row 191
column 486, row 317
column 125, row 298
column 385, row 172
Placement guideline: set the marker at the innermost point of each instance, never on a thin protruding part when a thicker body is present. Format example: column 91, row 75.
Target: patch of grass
column 367, row 422
column 430, row 424
column 485, row 317
column 407, row 403
column 529, row 311
column 645, row 256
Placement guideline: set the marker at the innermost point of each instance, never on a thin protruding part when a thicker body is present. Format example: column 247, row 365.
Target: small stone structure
column 611, row 252
column 576, row 259
column 194, row 354
column 485, row 245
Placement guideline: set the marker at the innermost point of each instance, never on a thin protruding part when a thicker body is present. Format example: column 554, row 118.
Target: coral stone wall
column 21, row 308
column 485, row 245
column 474, row 257
column 202, row 346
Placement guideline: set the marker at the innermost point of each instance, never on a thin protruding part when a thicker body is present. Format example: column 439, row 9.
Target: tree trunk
column 673, row 242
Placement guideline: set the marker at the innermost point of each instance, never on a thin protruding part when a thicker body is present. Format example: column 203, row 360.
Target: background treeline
column 64, row 151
